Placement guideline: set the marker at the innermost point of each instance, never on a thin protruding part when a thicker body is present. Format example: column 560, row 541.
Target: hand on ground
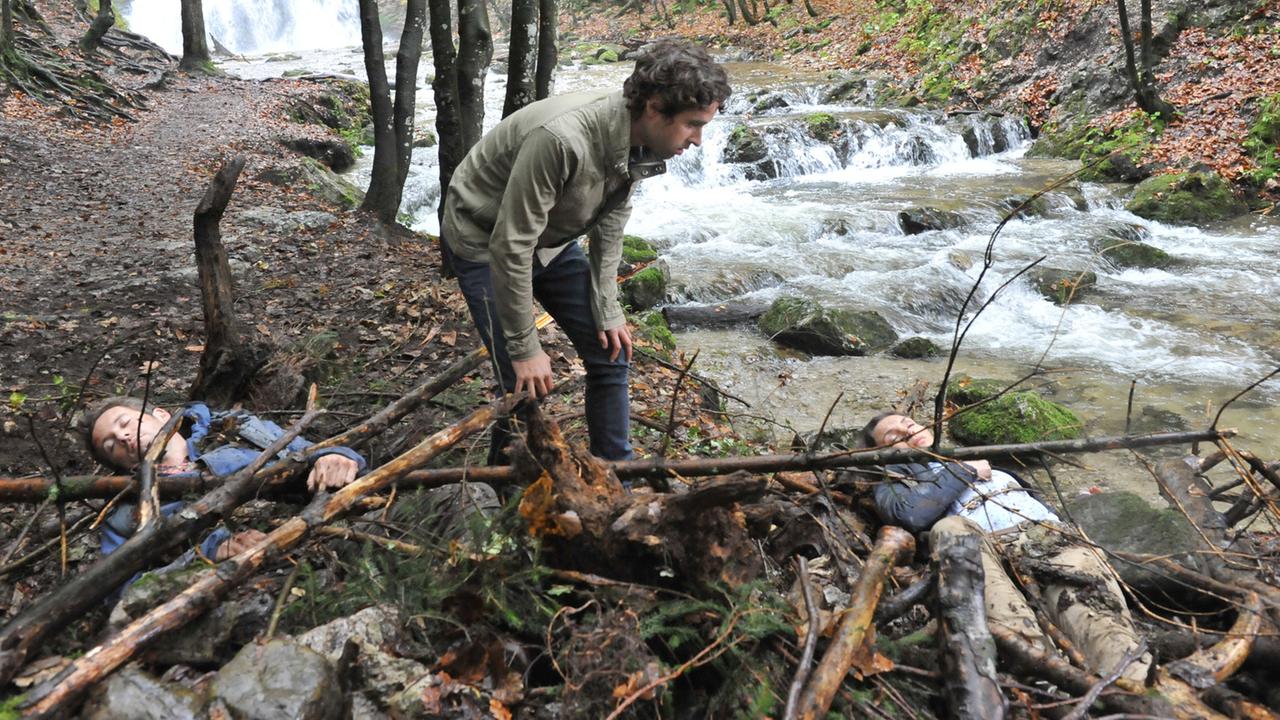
column 237, row 544
column 330, row 472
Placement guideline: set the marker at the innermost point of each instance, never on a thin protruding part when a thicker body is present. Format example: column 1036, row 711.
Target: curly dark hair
column 89, row 418
column 679, row 75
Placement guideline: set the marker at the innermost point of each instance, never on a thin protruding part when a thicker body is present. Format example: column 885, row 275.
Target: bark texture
column 968, row 652
column 195, row 43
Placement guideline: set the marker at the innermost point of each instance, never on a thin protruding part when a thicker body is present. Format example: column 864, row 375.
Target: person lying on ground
column 1079, row 588
column 118, row 431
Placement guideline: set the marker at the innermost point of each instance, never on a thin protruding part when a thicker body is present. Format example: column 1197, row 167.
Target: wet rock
column 1123, row 521
column 822, row 126
column 1185, row 199
column 965, row 390
column 855, row 88
column 923, row 219
column 771, row 101
column 282, row 679
column 1063, row 286
column 1151, row 419
column 207, row 642
column 423, row 138
column 805, row 325
column 1026, row 206
column 1122, row 252
column 747, row 147
column 652, row 326
column 984, row 134
column 376, row 632
column 316, row 179
column 343, row 106
column 646, row 288
column 1116, row 167
column 635, row 251
column 916, row 348
column 132, row 693
column 334, row 152
column 285, row 222
column 1017, row 417
column 835, row 226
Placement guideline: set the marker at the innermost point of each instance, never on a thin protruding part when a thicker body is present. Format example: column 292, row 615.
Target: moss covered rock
column 636, row 250
column 965, row 390
column 747, row 147
column 1018, row 417
column 822, row 125
column 652, row 328
column 1122, row 251
column 1063, row 286
column 1185, row 199
column 805, row 325
column 1123, row 521
column 916, row 348
column 645, row 289
column 314, row 177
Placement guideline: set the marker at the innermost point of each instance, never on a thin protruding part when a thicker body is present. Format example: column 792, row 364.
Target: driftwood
column 1212, row 665
column 719, row 315
column 968, row 652
column 231, row 355
column 892, row 546
column 55, row 696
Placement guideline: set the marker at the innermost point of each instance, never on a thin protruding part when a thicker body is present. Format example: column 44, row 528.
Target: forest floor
column 1058, row 62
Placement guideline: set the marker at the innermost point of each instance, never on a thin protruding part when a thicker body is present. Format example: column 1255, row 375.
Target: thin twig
column 1128, row 411
column 13, row 548
column 827, row 418
column 675, row 398
column 810, row 639
column 280, row 601
column 41, row 550
column 1087, row 701
column 1235, row 397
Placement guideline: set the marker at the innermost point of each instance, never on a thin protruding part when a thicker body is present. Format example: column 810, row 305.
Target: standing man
column 552, row 172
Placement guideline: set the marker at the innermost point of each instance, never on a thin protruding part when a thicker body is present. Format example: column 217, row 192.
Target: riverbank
column 1059, row 64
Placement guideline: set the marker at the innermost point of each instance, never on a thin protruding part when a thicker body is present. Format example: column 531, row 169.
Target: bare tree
column 523, row 56
column 459, row 81
column 392, row 123
column 1142, row 78
column 548, row 53
column 6, row 32
column 102, row 22
column 195, row 43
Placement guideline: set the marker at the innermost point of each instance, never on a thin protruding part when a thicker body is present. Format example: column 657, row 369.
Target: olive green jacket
column 537, row 181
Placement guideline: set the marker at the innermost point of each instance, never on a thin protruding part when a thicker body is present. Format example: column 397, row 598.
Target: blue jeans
column 564, row 290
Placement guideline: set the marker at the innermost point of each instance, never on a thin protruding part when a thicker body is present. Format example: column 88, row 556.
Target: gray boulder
column 1119, row 520
column 1120, row 250
column 376, row 631
column 914, row 221
column 314, row 177
column 333, row 152
column 805, row 325
column 646, row 288
column 916, row 348
column 1063, row 286
column 133, row 694
column 747, row 147
column 282, row 679
column 285, row 222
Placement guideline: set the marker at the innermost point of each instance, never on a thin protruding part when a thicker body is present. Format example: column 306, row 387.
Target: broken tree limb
column 970, row 686
column 231, row 357
column 893, row 545
column 36, row 489
column 54, row 697
column 1212, row 665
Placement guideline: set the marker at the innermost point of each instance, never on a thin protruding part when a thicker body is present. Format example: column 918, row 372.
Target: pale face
column 902, row 432
column 118, row 434
column 667, row 137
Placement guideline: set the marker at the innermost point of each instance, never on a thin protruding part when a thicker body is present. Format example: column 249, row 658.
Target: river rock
column 1121, row 520
column 1116, row 167
column 282, row 679
column 822, row 126
column 423, row 138
column 914, row 221
column 747, row 147
column 317, row 179
column 1060, row 286
column 770, row 101
column 916, row 348
column 965, row 390
column 1122, row 252
column 343, row 106
column 284, row 222
column 805, row 325
column 208, row 641
column 334, row 152
column 635, row 251
column 646, row 288
column 376, row 632
column 1185, row 199
column 652, row 327
column 856, row 89
column 999, row 137
column 1014, row 418
column 133, row 694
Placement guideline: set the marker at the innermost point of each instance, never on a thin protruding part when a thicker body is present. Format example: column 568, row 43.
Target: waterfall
column 253, row 26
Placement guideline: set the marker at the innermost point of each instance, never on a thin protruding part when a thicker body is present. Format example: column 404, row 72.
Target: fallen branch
column 893, row 545
column 53, row 697
column 968, row 652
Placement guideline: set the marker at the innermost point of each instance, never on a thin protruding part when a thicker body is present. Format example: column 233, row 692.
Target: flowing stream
column 827, row 227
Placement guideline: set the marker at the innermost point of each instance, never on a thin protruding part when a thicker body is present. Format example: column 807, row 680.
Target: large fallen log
column 968, row 652
column 37, row 488
column 55, row 696
column 892, row 546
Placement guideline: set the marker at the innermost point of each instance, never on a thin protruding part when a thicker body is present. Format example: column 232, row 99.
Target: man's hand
column 617, row 340
column 533, row 375
column 981, row 467
column 237, row 544
column 330, row 472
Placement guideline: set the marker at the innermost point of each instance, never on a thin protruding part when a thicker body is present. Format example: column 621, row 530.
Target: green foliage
column 822, row 125
column 637, row 250
column 1263, row 141
column 1185, row 198
column 653, row 327
column 11, row 708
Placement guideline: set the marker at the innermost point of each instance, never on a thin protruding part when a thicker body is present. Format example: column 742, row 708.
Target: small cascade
column 252, row 26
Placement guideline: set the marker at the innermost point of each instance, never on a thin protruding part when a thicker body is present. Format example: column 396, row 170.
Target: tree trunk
column 747, row 14
column 548, row 52
column 6, row 31
column 968, row 651
column 1142, row 82
column 382, row 197
column 731, row 11
column 522, row 57
column 475, row 50
column 444, row 87
column 231, row 356
column 195, row 43
column 407, row 57
column 102, row 22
